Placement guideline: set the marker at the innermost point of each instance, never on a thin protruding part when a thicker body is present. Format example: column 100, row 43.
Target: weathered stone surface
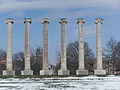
column 27, row 72
column 81, row 42
column 98, row 23
column 46, row 72
column 8, row 72
column 27, row 22
column 9, row 21
column 45, row 22
column 63, row 22
column 63, row 72
column 99, row 72
column 81, row 72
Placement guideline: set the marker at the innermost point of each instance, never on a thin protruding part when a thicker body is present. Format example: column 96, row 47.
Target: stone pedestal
column 8, row 72
column 63, row 72
column 27, row 72
column 46, row 72
column 99, row 72
column 81, row 72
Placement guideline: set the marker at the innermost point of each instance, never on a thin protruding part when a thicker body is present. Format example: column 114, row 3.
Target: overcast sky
column 109, row 10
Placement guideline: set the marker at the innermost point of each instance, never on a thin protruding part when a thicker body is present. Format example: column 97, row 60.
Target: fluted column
column 63, row 70
column 98, row 22
column 27, row 43
column 63, row 23
column 45, row 70
column 9, row 69
column 81, row 70
column 27, row 68
column 45, row 43
column 99, row 70
column 81, row 43
column 9, row 47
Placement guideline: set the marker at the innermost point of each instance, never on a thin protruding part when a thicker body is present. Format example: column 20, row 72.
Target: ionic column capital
column 99, row 20
column 63, row 20
column 27, row 20
column 80, row 20
column 9, row 20
column 45, row 20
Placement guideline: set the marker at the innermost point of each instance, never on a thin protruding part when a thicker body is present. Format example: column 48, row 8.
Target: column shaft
column 27, row 46
column 81, row 70
column 99, row 46
column 81, row 46
column 45, row 70
column 45, row 45
column 63, row 70
column 9, row 47
column 63, row 46
column 99, row 68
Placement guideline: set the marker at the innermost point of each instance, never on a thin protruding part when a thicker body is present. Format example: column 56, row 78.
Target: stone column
column 45, row 70
column 99, row 70
column 9, row 68
column 63, row 70
column 81, row 70
column 27, row 70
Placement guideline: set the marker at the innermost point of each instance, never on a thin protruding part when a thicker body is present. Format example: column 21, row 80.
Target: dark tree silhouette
column 72, row 56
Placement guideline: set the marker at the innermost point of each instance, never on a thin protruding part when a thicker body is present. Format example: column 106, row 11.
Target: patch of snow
column 62, row 83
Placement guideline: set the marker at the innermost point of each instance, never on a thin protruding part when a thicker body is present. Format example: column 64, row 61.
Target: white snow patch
column 62, row 83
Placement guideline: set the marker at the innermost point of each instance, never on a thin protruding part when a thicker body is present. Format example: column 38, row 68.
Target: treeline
column 72, row 57
column 111, row 55
column 18, row 60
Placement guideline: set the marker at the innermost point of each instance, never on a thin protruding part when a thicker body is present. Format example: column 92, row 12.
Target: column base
column 8, row 72
column 99, row 72
column 63, row 72
column 27, row 72
column 46, row 72
column 81, row 72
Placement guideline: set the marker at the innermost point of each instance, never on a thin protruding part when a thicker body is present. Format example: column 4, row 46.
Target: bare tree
column 72, row 56
column 3, row 56
column 110, row 54
column 18, row 62
column 117, row 60
column 36, row 60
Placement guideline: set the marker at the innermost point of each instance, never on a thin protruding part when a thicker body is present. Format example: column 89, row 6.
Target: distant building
column 90, row 65
column 2, row 66
column 109, row 67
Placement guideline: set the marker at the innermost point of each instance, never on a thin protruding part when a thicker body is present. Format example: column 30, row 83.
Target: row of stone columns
column 63, row 70
column 81, row 70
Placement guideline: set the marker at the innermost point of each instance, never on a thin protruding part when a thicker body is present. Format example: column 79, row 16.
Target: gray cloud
column 13, row 5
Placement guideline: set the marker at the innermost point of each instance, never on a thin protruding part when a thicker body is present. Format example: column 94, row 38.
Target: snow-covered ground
column 63, row 83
